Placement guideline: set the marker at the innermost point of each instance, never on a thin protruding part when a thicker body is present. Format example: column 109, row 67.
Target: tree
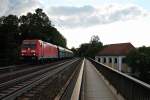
column 54, row 36
column 38, row 26
column 94, row 39
column 92, row 48
column 9, row 36
column 133, row 60
column 139, row 60
column 33, row 25
column 82, row 51
column 75, row 51
column 95, row 47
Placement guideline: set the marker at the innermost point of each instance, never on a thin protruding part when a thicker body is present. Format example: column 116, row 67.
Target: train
column 38, row 50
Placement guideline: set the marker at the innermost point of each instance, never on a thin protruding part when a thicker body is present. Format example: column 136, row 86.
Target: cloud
column 134, row 31
column 86, row 16
column 69, row 11
column 17, row 7
column 73, row 16
column 3, row 6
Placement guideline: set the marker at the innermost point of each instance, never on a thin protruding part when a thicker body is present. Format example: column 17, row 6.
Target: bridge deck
column 94, row 87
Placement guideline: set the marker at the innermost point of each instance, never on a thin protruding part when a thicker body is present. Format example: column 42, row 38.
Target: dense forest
column 14, row 29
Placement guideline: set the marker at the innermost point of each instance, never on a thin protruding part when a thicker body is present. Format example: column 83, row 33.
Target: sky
column 114, row 21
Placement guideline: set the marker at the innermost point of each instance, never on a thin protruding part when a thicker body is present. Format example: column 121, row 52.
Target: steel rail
column 33, row 82
column 22, row 78
column 14, row 74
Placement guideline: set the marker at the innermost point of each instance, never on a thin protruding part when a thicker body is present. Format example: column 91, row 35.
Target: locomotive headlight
column 33, row 51
column 23, row 51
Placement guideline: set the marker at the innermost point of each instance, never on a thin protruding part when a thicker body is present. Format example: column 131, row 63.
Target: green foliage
column 53, row 36
column 94, row 39
column 38, row 26
column 75, row 51
column 83, row 49
column 8, row 39
column 139, row 60
column 90, row 49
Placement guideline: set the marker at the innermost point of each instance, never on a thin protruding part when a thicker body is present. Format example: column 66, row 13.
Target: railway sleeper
column 42, row 86
column 46, row 86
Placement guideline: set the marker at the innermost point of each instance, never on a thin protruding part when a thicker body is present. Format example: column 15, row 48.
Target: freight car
column 39, row 50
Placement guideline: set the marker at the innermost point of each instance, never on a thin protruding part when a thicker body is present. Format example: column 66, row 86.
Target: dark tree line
column 14, row 29
column 90, row 49
column 38, row 25
column 139, row 60
column 8, row 39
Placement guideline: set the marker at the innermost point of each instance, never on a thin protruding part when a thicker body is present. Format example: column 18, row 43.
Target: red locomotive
column 40, row 50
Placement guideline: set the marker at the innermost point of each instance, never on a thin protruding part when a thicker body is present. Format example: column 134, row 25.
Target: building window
column 123, row 60
column 99, row 59
column 110, row 60
column 116, row 60
column 104, row 60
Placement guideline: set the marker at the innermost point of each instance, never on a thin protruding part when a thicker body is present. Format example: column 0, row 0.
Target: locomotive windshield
column 29, row 44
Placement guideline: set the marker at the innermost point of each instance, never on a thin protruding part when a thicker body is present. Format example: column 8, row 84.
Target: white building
column 113, row 55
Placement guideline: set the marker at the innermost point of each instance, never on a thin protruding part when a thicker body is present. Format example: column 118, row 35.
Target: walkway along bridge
column 109, row 84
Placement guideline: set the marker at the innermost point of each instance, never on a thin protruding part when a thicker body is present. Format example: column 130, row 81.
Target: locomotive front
column 29, row 50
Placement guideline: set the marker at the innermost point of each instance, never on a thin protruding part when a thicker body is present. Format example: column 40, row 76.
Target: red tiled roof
column 116, row 49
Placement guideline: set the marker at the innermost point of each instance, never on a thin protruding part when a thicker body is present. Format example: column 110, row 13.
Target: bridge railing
column 130, row 88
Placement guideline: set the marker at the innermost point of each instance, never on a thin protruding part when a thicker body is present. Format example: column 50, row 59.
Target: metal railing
column 130, row 88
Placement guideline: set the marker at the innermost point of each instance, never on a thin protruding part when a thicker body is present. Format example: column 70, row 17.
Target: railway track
column 23, row 71
column 13, row 68
column 10, row 89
